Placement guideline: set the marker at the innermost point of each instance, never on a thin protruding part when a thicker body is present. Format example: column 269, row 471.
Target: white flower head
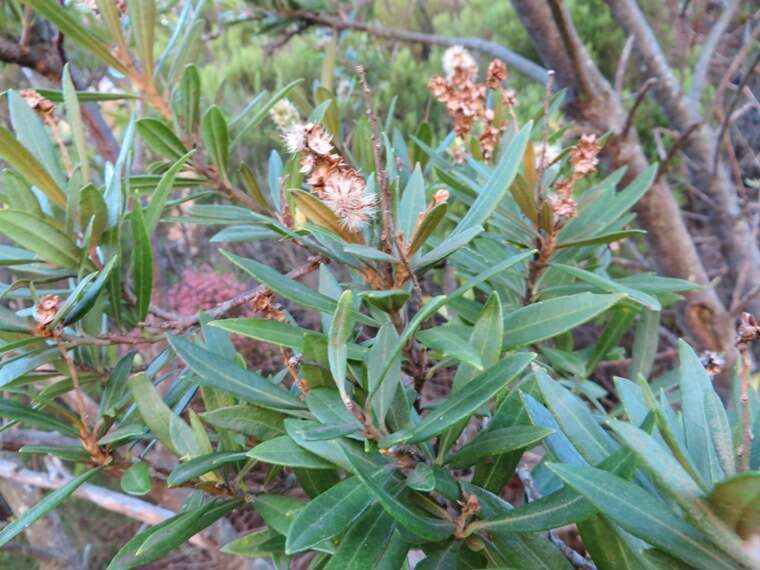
column 284, row 114
column 295, row 138
column 456, row 58
column 345, row 194
column 318, row 140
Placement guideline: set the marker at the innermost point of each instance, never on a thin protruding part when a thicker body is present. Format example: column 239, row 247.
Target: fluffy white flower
column 284, row 114
column 346, row 195
column 456, row 58
column 318, row 140
column 295, row 138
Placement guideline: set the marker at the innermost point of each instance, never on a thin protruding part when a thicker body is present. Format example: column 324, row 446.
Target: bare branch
column 734, row 67
column 699, row 77
column 673, row 151
column 625, row 55
column 648, row 84
column 110, row 500
column 492, row 49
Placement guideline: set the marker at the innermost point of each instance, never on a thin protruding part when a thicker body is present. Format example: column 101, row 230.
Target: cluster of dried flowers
column 583, row 162
column 46, row 310
column 466, row 99
column 335, row 182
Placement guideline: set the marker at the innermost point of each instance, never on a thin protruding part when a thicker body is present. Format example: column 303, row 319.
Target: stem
column 744, row 451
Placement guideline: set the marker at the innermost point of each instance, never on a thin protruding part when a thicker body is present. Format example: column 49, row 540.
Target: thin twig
column 746, row 448
column 648, row 84
column 570, row 38
column 733, row 67
column 544, row 135
column 382, row 179
column 81, row 408
column 625, row 55
column 675, row 147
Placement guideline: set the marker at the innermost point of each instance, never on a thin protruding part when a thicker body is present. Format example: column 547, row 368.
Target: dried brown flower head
column 46, row 310
column 465, row 99
column 583, row 161
column 42, row 106
column 339, row 185
column 747, row 332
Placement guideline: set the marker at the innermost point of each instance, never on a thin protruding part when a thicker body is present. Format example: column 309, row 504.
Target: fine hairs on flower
column 340, row 186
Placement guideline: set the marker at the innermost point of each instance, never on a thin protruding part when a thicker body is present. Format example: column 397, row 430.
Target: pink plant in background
column 202, row 289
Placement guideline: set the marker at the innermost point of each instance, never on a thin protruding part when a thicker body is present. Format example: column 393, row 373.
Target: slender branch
column 544, row 135
column 648, row 84
column 110, row 500
column 17, row 438
column 673, row 151
column 746, row 448
column 625, row 55
column 570, row 40
column 388, row 231
column 493, row 49
column 699, row 77
column 734, row 67
column 730, row 111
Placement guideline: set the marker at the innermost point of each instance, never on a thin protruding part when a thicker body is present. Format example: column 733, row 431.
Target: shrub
column 466, row 263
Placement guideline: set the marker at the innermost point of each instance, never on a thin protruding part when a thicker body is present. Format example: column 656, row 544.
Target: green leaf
column 695, row 385
column 601, row 238
column 736, row 501
column 430, row 529
column 74, row 118
column 221, row 374
column 142, row 15
column 136, row 479
column 216, row 138
column 412, row 203
column 466, row 401
column 74, row 31
column 576, row 420
column 258, row 544
column 142, row 261
column 35, row 418
column 22, row 160
column 609, row 548
column 116, row 387
column 548, row 319
column 32, row 134
column 186, row 98
column 49, row 503
column 645, row 341
column 609, row 286
column 451, row 344
column 75, row 453
column 327, row 406
column 284, row 451
column 160, row 138
column 320, row 214
column 337, row 351
column 261, row 423
column 381, row 394
column 161, row 194
column 155, row 413
column 278, row 511
column 90, row 295
column 493, row 442
column 328, row 515
column 642, row 515
column 93, row 209
column 198, row 466
column 498, row 183
column 426, row 228
column 156, row 541
column 362, row 547
column 262, row 113
column 47, row 241
column 14, row 368
column 720, row 428
column 452, row 243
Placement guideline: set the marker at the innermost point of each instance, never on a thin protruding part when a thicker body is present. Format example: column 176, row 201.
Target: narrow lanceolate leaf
column 498, row 183
column 156, row 541
column 463, row 403
column 644, row 344
column 381, row 394
column 328, row 515
column 259, row 422
column 142, row 14
column 216, row 138
column 284, row 451
column 50, row 502
column 142, row 262
column 576, row 420
column 22, row 160
column 497, row 441
column 695, row 384
column 74, row 118
column 430, row 529
column 337, row 351
column 160, row 138
column 155, row 413
column 161, row 194
column 608, row 285
column 608, row 546
column 64, row 20
column 198, row 466
column 547, row 319
column 215, row 371
column 643, row 515
column 363, row 545
column 34, row 418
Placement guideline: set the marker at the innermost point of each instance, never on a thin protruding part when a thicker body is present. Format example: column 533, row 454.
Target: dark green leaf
column 142, row 261
column 198, row 466
column 363, row 544
column 46, row 240
column 261, row 423
column 284, row 451
column 32, row 417
column 216, row 138
column 136, row 479
column 160, row 138
column 497, row 441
